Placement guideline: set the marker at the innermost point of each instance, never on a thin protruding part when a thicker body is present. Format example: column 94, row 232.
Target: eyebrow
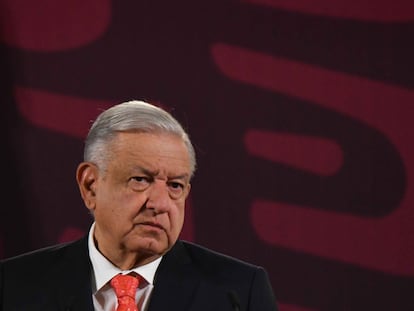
column 183, row 176
column 147, row 171
column 156, row 172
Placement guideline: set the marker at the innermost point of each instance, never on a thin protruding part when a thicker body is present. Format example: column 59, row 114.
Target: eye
column 139, row 183
column 176, row 189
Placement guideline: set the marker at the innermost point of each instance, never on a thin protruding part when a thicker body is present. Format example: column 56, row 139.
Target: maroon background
column 301, row 113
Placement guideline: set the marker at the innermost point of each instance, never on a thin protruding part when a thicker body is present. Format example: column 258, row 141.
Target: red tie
column 125, row 287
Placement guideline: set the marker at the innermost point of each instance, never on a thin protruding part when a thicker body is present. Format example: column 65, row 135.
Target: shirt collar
column 104, row 270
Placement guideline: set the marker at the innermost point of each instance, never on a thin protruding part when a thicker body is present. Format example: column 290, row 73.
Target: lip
column 151, row 224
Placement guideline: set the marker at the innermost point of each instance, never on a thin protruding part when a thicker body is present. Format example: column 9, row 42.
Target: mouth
column 151, row 225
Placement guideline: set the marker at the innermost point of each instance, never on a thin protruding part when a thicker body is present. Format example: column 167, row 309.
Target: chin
column 152, row 247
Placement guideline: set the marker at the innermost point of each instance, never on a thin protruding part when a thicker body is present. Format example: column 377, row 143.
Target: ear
column 87, row 178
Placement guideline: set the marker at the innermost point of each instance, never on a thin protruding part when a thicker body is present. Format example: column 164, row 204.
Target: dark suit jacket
column 189, row 277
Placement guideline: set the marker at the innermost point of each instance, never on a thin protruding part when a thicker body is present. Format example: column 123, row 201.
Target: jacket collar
column 74, row 290
column 176, row 281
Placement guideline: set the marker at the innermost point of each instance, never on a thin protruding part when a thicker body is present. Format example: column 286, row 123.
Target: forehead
column 150, row 149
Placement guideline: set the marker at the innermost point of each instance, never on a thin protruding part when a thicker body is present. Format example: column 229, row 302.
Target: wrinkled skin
column 138, row 201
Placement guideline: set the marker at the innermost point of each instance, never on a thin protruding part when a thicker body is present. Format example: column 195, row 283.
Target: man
column 135, row 178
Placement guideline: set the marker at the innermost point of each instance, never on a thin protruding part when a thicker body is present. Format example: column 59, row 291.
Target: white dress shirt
column 104, row 297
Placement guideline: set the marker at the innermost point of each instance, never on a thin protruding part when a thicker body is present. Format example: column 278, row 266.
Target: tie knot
column 125, row 285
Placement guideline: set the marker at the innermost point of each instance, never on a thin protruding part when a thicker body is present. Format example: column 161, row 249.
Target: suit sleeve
column 262, row 297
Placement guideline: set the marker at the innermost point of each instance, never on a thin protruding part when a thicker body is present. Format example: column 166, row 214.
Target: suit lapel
column 74, row 290
column 176, row 281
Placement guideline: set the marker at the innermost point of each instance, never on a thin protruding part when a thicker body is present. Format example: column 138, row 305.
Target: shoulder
column 219, row 272
column 44, row 257
column 204, row 253
column 212, row 262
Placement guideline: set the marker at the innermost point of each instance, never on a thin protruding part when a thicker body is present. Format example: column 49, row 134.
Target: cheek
column 177, row 217
column 111, row 203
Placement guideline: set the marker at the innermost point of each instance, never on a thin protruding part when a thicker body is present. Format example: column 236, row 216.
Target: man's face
column 140, row 198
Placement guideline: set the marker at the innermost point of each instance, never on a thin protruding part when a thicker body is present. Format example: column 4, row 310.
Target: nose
column 158, row 197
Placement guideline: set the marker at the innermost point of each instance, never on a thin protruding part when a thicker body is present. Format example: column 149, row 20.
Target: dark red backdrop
column 301, row 113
